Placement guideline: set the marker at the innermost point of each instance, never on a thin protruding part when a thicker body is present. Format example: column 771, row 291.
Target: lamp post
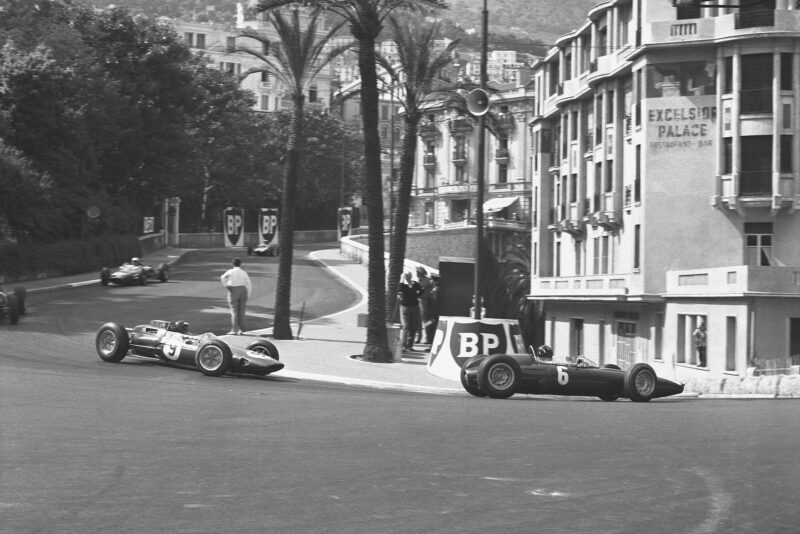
column 481, row 168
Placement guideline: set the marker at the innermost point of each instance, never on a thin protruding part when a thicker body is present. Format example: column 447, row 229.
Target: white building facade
column 666, row 183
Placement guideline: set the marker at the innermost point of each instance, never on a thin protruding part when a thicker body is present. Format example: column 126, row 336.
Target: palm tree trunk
column 282, row 328
column 376, row 348
column 397, row 247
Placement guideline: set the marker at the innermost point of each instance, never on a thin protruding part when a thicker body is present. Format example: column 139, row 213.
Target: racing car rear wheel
column 20, row 292
column 13, row 308
column 112, row 342
column 469, row 388
column 214, row 357
column 498, row 376
column 639, row 382
column 264, row 347
column 162, row 273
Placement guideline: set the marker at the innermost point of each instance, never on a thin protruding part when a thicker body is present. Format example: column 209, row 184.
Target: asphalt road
column 87, row 446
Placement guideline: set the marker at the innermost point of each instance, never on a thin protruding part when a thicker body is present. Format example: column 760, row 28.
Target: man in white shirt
column 239, row 287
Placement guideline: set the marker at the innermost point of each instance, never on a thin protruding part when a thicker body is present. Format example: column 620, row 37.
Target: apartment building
column 664, row 145
column 218, row 41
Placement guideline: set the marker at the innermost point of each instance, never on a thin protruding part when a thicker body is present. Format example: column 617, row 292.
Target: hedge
column 32, row 261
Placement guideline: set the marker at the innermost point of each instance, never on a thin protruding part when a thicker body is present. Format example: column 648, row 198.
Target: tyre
column 264, row 347
column 472, row 390
column 13, row 309
column 105, row 275
column 498, row 376
column 21, row 294
column 162, row 273
column 639, row 382
column 214, row 358
column 112, row 342
column 608, row 397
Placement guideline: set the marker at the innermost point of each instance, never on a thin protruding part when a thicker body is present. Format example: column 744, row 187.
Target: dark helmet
column 544, row 352
column 182, row 327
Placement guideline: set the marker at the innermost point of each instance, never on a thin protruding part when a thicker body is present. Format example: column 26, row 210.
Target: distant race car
column 12, row 305
column 133, row 272
column 501, row 375
column 263, row 249
column 170, row 342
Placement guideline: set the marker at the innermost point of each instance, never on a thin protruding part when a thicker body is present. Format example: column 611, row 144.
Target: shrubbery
column 28, row 261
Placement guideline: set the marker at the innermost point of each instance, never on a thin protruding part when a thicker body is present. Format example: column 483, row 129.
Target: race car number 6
column 563, row 376
column 171, row 351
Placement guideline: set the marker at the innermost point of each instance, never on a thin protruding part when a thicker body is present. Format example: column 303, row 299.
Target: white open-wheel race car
column 170, row 341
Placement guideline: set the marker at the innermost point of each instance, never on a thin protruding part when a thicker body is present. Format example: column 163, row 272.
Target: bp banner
column 233, row 227
column 458, row 339
column 268, row 226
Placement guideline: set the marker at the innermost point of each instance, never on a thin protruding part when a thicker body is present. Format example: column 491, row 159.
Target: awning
column 496, row 204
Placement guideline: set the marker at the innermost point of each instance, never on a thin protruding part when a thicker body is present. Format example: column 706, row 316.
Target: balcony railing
column 429, row 160
column 754, row 19
column 427, row 129
column 755, row 183
column 461, row 124
column 505, row 122
column 501, row 155
column 459, row 156
column 756, row 101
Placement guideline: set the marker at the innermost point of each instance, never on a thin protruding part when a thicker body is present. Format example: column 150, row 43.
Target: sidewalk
column 325, row 347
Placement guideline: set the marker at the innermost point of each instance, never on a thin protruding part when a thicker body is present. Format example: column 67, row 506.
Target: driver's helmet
column 544, row 352
column 182, row 327
column 136, row 261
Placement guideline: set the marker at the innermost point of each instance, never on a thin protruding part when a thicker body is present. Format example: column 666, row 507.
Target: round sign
column 93, row 212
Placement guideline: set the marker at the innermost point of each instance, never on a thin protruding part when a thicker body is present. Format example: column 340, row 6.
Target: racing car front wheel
column 498, row 376
column 214, row 358
column 112, row 342
column 264, row 347
column 639, row 382
column 469, row 388
column 21, row 293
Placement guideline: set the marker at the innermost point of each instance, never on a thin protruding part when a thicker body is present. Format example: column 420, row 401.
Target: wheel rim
column 108, row 342
column 501, row 376
column 211, row 358
column 645, row 383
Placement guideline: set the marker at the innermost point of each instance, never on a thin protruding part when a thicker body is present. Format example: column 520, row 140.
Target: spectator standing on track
column 432, row 319
column 424, row 301
column 408, row 293
column 237, row 282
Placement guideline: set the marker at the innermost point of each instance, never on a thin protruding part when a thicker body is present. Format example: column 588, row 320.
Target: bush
column 30, row 261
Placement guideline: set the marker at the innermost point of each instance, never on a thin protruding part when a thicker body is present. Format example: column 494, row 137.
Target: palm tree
column 296, row 63
column 418, row 70
column 366, row 18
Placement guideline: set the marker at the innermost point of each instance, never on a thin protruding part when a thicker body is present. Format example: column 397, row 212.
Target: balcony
column 607, row 216
column 734, row 281
column 514, row 187
column 459, row 157
column 425, row 191
column 429, row 161
column 722, row 27
column 501, row 155
column 757, row 189
column 427, row 129
column 461, row 124
column 505, row 123
column 459, row 188
column 591, row 287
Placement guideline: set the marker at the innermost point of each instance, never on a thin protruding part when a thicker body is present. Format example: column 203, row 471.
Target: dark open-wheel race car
column 12, row 305
column 132, row 273
column 170, row 342
column 500, row 376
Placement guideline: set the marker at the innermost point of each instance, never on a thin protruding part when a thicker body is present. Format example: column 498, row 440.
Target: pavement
column 327, row 348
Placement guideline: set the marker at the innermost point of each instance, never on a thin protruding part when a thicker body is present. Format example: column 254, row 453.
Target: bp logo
column 470, row 339
column 233, row 222
column 268, row 224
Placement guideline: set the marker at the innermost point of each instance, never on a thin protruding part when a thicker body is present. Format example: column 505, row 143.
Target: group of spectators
column 419, row 307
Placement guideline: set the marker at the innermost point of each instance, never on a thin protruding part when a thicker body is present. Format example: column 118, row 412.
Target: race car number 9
column 563, row 376
column 171, row 351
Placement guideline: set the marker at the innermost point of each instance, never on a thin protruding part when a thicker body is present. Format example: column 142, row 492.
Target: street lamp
column 477, row 305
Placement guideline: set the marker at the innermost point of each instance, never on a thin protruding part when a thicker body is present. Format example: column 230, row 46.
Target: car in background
column 133, row 272
column 502, row 375
column 171, row 342
column 12, row 305
column 263, row 249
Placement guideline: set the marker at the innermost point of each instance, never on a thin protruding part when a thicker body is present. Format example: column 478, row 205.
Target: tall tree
column 296, row 63
column 418, row 69
column 366, row 18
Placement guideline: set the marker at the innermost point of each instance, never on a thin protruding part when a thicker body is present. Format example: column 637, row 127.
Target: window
column 312, row 94
column 727, row 155
column 786, row 72
column 728, row 78
column 658, row 336
column 201, row 40
column 756, row 165
column 730, row 343
column 610, row 107
column 637, row 181
column 502, row 173
column 786, row 153
column 604, row 243
column 384, row 133
column 384, row 112
column 573, row 188
column 558, row 259
column 188, row 38
column 609, row 186
column 758, row 244
column 264, row 102
column 230, row 44
column 264, row 77
column 602, row 41
column 626, row 344
column 756, row 93
column 637, row 245
column 576, row 337
column 688, row 12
